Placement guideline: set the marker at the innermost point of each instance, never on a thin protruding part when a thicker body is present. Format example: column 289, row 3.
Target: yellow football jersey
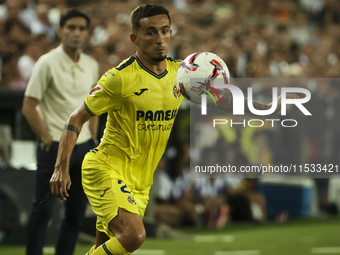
column 141, row 108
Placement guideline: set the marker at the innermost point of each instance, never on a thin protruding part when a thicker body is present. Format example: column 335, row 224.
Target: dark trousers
column 43, row 202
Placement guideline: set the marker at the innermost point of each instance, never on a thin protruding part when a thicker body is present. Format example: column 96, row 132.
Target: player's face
column 153, row 37
column 73, row 34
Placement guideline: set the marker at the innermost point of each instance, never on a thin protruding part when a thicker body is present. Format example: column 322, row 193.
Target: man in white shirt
column 60, row 81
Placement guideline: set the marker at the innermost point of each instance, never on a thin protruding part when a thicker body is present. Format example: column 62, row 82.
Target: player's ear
column 133, row 38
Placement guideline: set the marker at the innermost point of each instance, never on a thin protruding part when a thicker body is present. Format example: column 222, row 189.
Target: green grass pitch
column 295, row 237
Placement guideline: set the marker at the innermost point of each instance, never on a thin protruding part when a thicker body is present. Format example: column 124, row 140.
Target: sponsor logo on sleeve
column 95, row 90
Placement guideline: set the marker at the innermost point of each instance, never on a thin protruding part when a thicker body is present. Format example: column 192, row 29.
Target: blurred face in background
column 74, row 33
column 42, row 13
column 13, row 8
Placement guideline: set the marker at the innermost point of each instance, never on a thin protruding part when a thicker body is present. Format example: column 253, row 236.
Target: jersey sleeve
column 106, row 95
column 39, row 80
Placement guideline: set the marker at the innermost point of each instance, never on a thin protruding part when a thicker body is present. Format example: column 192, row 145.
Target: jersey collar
column 158, row 76
column 81, row 63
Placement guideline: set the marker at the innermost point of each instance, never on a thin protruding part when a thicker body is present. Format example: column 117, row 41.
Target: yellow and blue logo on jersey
column 176, row 91
column 131, row 200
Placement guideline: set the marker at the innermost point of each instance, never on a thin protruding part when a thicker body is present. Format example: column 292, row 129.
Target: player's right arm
column 105, row 96
column 60, row 181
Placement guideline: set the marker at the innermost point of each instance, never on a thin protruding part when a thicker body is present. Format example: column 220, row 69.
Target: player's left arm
column 227, row 103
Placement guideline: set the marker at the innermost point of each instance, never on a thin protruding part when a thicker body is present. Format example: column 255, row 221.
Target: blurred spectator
column 210, row 194
column 245, row 202
column 17, row 34
column 255, row 40
column 27, row 61
column 10, row 73
column 42, row 25
column 5, row 145
column 168, row 191
column 172, row 184
column 11, row 9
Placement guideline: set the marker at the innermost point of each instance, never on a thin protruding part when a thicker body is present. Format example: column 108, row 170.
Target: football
column 198, row 75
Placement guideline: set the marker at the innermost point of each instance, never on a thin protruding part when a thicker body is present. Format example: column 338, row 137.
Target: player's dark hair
column 144, row 11
column 72, row 13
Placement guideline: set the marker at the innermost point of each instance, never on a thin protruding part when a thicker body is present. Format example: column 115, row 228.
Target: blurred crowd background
column 256, row 39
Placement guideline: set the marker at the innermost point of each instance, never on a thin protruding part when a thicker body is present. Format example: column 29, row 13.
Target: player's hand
column 60, row 183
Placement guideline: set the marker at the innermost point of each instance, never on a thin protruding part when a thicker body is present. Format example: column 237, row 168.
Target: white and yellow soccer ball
column 199, row 73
